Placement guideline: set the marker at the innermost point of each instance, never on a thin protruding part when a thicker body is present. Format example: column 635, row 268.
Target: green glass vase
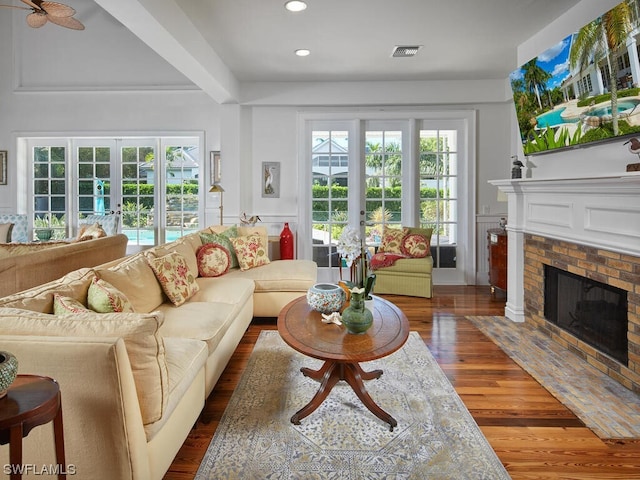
column 356, row 318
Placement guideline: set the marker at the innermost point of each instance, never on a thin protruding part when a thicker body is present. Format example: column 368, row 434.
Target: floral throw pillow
column 66, row 305
column 213, row 260
column 251, row 251
column 105, row 298
column 224, row 239
column 415, row 246
column 176, row 279
column 392, row 240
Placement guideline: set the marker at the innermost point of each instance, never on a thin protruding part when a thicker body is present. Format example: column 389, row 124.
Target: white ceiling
column 236, row 41
column 353, row 39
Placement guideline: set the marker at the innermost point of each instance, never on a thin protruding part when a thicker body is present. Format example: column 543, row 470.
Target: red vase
column 286, row 243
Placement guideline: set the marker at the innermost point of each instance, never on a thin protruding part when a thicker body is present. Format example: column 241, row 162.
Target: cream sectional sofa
column 133, row 384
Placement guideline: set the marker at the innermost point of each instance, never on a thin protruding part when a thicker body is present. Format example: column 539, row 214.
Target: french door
column 373, row 173
column 152, row 183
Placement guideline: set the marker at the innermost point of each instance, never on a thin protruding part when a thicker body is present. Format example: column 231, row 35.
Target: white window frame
column 463, row 120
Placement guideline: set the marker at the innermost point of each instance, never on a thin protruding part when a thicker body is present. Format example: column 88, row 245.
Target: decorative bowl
column 8, row 371
column 326, row 297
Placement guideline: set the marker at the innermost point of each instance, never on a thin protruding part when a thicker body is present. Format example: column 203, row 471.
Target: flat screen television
column 584, row 89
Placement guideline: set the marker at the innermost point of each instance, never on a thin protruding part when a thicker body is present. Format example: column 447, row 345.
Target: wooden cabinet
column 497, row 244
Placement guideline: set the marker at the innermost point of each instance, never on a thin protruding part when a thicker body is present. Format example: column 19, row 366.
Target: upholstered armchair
column 403, row 264
column 19, row 231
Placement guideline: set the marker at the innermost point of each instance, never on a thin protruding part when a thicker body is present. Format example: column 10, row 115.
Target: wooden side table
column 497, row 244
column 31, row 400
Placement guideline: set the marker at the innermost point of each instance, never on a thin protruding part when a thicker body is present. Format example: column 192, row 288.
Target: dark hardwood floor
column 533, row 434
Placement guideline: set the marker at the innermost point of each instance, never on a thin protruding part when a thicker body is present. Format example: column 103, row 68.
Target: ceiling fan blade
column 34, row 5
column 68, row 22
column 56, row 9
column 36, row 19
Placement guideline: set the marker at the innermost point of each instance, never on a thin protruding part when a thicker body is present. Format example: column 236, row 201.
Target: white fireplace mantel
column 601, row 212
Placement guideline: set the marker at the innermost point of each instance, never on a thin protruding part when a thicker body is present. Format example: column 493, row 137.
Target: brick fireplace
column 607, row 267
column 589, row 227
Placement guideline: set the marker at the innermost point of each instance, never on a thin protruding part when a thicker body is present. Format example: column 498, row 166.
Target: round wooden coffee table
column 302, row 329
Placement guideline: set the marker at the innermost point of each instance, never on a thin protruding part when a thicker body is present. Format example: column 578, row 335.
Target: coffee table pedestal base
column 332, row 372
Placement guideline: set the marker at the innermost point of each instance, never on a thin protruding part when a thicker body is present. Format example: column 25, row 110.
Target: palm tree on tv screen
column 535, row 78
column 599, row 40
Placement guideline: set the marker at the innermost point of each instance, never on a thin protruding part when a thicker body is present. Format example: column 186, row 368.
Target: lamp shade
column 215, row 188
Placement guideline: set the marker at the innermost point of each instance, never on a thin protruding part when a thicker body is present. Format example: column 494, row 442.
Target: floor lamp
column 217, row 188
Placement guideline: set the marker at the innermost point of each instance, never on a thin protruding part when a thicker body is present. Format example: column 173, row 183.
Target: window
column 50, row 189
column 157, row 196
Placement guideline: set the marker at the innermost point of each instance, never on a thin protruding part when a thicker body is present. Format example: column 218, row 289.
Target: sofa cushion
column 177, row 280
column 213, row 260
column 392, row 239
column 103, row 297
column 185, row 360
column 235, row 290
column 251, row 250
column 415, row 246
column 40, row 299
column 280, row 276
column 408, row 265
column 5, row 232
column 135, row 277
column 141, row 335
column 205, row 321
column 66, row 305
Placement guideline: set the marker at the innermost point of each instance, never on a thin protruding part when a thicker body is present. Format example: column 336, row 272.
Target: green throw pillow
column 223, row 240
column 105, row 298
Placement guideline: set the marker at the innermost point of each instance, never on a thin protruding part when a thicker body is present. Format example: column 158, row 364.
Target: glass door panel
column 329, row 195
column 94, row 180
column 383, row 188
column 439, row 193
column 50, row 192
column 182, row 173
column 137, row 165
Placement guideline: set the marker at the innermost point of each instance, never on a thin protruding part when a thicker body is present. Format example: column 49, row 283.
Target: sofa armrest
column 103, row 432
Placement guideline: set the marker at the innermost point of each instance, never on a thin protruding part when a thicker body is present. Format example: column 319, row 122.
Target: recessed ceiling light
column 302, row 52
column 295, row 6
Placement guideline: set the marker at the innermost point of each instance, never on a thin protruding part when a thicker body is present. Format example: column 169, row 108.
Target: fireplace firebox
column 593, row 312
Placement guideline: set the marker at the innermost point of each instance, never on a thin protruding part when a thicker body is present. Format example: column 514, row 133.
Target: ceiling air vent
column 405, row 50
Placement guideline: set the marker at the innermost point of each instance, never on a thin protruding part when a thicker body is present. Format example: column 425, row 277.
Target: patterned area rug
column 436, row 436
column 610, row 410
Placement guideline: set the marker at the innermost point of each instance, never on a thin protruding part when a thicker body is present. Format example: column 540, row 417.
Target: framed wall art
column 3, row 167
column 271, row 179
column 215, row 164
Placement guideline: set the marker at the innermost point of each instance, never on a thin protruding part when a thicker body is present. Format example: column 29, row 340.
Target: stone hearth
column 611, row 268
